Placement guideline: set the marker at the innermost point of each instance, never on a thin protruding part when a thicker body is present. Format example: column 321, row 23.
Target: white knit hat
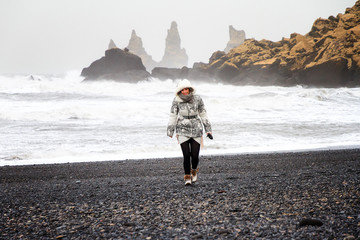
column 184, row 84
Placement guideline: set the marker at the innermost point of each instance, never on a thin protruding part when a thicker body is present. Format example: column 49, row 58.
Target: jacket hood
column 184, row 84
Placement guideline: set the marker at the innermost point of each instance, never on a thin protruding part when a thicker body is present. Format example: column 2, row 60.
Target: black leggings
column 190, row 148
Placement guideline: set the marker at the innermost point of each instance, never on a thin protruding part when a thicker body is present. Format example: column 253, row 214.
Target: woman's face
column 185, row 91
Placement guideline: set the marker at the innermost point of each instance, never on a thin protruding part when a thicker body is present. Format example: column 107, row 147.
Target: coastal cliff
column 327, row 56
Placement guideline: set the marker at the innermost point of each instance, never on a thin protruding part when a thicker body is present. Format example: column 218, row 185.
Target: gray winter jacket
column 188, row 118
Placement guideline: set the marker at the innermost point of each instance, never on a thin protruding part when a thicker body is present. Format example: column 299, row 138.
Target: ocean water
column 59, row 119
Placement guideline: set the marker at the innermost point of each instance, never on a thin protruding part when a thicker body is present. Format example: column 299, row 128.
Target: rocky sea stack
column 327, row 56
column 132, row 63
column 118, row 65
column 174, row 56
column 136, row 46
column 237, row 37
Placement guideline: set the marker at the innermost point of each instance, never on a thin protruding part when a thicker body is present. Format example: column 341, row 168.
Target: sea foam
column 49, row 119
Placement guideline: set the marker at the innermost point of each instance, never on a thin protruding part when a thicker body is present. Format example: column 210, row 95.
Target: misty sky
column 56, row 36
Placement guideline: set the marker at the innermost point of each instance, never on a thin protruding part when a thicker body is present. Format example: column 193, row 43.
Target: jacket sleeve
column 204, row 117
column 173, row 118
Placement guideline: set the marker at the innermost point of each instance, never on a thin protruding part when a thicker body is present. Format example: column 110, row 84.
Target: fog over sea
column 59, row 119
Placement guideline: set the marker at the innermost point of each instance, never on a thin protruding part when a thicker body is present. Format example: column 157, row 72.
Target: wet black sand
column 251, row 196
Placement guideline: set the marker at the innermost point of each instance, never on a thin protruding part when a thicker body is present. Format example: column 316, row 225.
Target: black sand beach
column 250, row 196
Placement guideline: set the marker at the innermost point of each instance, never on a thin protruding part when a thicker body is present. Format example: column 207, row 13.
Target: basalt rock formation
column 174, row 56
column 236, row 38
column 131, row 63
column 327, row 56
column 112, row 44
column 136, row 46
column 118, row 65
column 170, row 73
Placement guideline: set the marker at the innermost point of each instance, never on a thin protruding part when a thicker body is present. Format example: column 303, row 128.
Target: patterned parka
column 188, row 118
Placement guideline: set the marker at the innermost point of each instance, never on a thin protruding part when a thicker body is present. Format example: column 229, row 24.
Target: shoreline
column 230, row 153
column 242, row 196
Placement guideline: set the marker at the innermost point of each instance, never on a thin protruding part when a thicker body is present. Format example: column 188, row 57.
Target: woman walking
column 187, row 117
